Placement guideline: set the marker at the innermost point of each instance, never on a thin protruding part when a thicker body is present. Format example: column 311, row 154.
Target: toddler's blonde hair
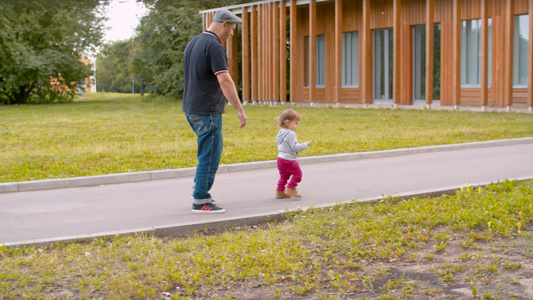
column 288, row 115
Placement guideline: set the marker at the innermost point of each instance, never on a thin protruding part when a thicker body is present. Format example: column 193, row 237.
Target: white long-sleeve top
column 288, row 145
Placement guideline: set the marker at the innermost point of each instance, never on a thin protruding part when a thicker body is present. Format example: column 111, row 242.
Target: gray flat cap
column 227, row 16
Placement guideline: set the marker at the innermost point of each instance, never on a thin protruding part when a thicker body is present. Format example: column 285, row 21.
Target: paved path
column 163, row 207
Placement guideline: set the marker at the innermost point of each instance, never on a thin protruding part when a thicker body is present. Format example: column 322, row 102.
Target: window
column 471, row 53
column 520, row 49
column 320, row 61
column 419, row 62
column 350, row 59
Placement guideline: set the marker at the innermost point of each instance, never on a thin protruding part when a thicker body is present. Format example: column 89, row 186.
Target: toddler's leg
column 283, row 181
column 296, row 175
column 283, row 174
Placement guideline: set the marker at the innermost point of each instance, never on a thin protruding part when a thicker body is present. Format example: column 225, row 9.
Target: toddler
column 289, row 147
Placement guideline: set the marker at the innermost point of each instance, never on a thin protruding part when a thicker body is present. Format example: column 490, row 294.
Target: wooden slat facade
column 270, row 25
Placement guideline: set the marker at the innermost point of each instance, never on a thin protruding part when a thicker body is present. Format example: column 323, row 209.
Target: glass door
column 383, row 66
column 419, row 63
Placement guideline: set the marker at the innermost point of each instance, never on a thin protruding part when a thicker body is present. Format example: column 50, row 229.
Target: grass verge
column 115, row 133
column 476, row 243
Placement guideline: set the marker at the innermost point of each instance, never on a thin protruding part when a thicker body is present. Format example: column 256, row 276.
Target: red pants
column 288, row 168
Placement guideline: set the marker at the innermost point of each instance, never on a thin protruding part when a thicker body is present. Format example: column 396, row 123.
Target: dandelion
column 490, row 223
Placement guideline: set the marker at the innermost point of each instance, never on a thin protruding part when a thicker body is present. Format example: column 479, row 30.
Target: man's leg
column 210, row 143
column 216, row 146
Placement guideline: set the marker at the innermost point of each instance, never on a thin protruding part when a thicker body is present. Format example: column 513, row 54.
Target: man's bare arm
column 230, row 91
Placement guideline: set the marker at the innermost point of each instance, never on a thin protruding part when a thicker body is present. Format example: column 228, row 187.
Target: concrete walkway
column 158, row 202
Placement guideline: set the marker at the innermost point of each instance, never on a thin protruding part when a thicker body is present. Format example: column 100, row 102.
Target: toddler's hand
column 310, row 142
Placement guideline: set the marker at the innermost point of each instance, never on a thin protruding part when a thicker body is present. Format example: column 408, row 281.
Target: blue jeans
column 210, row 143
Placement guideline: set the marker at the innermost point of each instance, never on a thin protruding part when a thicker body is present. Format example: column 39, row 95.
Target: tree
column 41, row 40
column 113, row 67
column 157, row 58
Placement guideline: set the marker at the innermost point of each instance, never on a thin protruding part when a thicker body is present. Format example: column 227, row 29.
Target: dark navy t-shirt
column 204, row 58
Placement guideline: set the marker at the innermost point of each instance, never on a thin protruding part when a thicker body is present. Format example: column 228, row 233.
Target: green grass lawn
column 114, row 133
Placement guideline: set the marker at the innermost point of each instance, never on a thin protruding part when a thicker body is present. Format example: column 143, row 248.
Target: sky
column 124, row 16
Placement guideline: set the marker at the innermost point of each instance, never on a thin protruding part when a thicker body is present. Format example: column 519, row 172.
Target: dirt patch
column 463, row 266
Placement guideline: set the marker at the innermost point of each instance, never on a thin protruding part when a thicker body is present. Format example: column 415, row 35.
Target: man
column 208, row 85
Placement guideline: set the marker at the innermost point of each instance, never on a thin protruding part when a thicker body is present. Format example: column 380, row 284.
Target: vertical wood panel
column 245, row 54
column 456, row 70
column 303, row 30
column 229, row 54
column 430, row 38
column 484, row 52
column 366, row 57
column 282, row 52
column 235, row 54
column 275, row 50
column 268, row 51
column 293, row 50
column 498, row 34
column 312, row 50
column 508, row 53
column 263, row 52
column 405, row 50
column 260, row 43
column 253, row 53
column 272, row 54
column 397, row 33
column 338, row 50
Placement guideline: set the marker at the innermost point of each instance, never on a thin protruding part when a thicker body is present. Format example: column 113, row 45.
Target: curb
column 26, row 186
column 181, row 229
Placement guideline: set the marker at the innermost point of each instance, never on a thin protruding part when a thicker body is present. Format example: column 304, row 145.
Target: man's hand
column 243, row 117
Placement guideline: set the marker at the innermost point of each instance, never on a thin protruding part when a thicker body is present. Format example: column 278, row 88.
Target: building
column 81, row 87
column 376, row 51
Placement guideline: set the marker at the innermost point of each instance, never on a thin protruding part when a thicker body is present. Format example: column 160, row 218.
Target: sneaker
column 207, row 208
